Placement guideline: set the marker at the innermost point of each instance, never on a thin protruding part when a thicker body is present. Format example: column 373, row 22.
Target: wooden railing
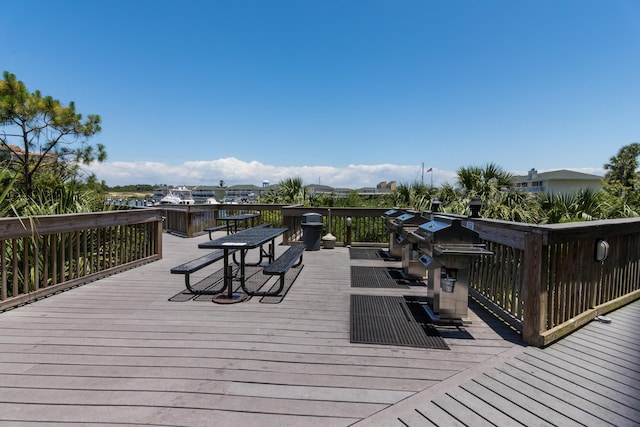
column 543, row 280
column 546, row 281
column 368, row 227
column 47, row 254
column 192, row 220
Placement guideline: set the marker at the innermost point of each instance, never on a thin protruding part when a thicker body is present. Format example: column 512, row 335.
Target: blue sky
column 344, row 93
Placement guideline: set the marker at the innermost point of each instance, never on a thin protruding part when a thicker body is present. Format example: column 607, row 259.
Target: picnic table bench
column 292, row 257
column 227, row 246
column 242, row 242
column 197, row 264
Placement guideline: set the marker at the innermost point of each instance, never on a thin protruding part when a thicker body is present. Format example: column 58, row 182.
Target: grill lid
column 405, row 217
column 410, row 219
column 433, row 226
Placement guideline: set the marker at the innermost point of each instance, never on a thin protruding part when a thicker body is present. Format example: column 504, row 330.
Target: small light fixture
column 602, row 250
column 435, row 205
column 475, row 205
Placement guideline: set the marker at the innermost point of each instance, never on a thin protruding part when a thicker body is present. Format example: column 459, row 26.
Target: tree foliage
column 477, row 181
column 582, row 205
column 623, row 167
column 40, row 133
column 292, row 190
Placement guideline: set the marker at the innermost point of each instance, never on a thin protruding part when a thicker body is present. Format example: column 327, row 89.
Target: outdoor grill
column 406, row 224
column 447, row 248
column 395, row 250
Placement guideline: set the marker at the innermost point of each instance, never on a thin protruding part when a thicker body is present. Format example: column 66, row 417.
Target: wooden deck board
column 576, row 381
column 116, row 351
column 479, row 407
column 593, row 405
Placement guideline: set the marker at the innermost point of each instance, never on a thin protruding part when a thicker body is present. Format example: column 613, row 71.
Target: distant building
column 246, row 193
column 382, row 188
column 249, row 193
column 317, row 189
column 559, row 181
column 205, row 192
column 13, row 153
column 391, row 186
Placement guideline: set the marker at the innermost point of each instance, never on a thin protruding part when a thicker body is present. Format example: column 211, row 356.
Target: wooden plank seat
column 292, row 257
column 197, row 264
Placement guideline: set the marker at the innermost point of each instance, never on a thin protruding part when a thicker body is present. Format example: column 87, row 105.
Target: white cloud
column 234, row 171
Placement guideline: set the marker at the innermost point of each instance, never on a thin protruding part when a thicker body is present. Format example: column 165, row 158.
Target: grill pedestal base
column 436, row 320
column 453, row 306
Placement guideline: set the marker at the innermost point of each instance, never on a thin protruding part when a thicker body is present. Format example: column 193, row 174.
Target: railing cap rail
column 11, row 228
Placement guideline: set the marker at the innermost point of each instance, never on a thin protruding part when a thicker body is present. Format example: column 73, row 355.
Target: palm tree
column 475, row 181
column 582, row 205
column 494, row 186
column 513, row 205
column 415, row 196
column 292, row 190
column 623, row 166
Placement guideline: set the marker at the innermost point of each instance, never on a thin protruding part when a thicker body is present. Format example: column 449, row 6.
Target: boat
column 178, row 196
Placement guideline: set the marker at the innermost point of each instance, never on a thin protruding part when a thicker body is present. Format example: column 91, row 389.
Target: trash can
column 312, row 231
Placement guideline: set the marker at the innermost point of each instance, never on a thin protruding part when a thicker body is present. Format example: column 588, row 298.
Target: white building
column 559, row 181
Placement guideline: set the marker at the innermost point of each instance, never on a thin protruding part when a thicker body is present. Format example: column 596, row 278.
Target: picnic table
column 233, row 220
column 242, row 242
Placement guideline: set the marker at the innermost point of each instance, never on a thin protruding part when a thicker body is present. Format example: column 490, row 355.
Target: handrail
column 193, row 220
column 367, row 226
column 542, row 279
column 46, row 254
column 546, row 280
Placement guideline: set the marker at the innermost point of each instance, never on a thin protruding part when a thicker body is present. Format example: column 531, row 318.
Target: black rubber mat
column 380, row 277
column 367, row 253
column 389, row 320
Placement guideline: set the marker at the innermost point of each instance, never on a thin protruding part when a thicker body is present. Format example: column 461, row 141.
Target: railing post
column 287, row 222
column 189, row 214
column 158, row 226
column 534, row 289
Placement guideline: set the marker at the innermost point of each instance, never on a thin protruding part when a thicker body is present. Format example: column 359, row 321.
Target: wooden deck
column 117, row 352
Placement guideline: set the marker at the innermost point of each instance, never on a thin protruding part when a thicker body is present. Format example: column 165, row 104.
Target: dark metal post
column 475, row 205
column 228, row 277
